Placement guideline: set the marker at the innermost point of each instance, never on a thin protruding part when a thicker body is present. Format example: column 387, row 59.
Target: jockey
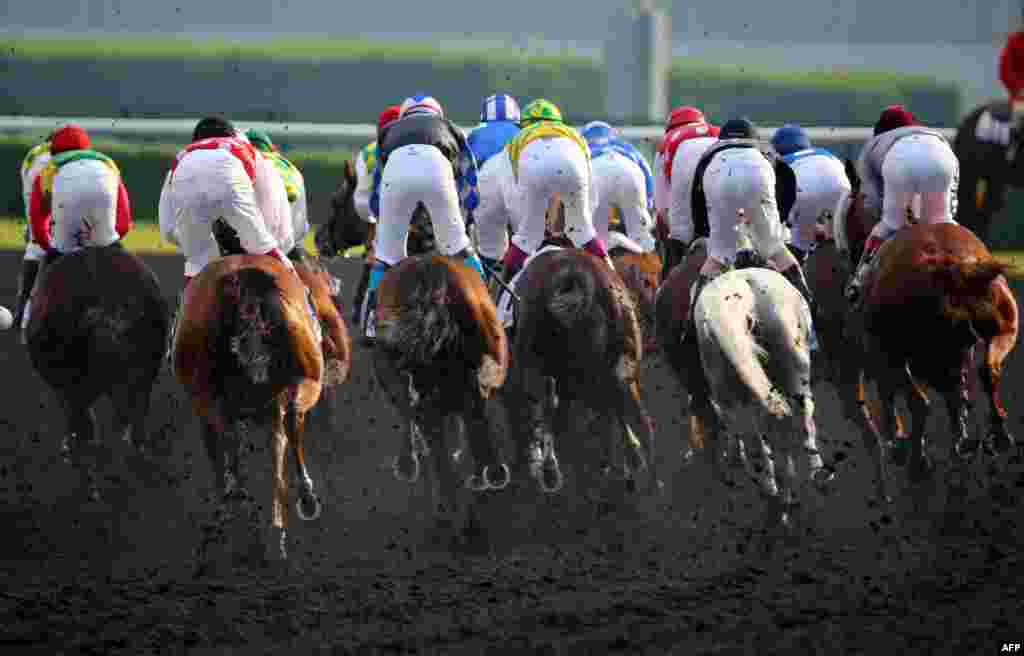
column 904, row 163
column 499, row 119
column 423, row 159
column 549, row 157
column 31, row 166
column 220, row 177
column 366, row 166
column 688, row 136
column 821, row 183
column 735, row 182
column 1011, row 74
column 294, row 186
column 623, row 184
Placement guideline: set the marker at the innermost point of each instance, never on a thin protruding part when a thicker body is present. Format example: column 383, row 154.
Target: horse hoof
column 636, row 462
column 967, row 449
column 631, row 485
column 303, row 502
column 1000, row 441
column 899, row 452
column 551, row 480
column 498, row 483
column 477, row 483
column 406, row 468
column 686, row 456
column 823, row 479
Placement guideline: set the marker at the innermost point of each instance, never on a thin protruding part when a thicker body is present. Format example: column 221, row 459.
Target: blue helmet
column 598, row 133
column 421, row 104
column 790, row 138
column 499, row 107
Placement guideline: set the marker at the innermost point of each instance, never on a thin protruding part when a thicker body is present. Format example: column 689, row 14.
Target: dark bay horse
column 97, row 326
column 249, row 355
column 986, row 175
column 938, row 281
column 577, row 338
column 441, row 356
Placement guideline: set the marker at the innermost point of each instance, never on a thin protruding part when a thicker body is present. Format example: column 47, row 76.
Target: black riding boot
column 29, row 271
column 690, row 329
column 357, row 302
column 675, row 251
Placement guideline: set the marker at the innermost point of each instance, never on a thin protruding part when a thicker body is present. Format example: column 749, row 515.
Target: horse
column 248, row 353
column 97, row 326
column 986, row 174
column 337, row 342
column 941, row 281
column 576, row 338
column 754, row 342
column 440, row 355
column 641, row 273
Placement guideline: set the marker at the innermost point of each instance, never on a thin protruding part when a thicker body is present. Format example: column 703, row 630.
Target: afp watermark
column 1011, row 648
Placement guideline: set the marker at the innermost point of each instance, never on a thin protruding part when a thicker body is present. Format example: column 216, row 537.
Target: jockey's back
column 426, row 130
column 543, row 130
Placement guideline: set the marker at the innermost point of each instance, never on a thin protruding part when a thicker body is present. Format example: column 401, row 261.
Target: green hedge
column 350, row 81
column 144, row 167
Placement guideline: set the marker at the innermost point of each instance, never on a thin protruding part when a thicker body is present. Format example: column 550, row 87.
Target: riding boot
column 469, row 256
column 370, row 304
column 675, row 251
column 357, row 302
column 29, row 270
column 854, row 289
column 690, row 327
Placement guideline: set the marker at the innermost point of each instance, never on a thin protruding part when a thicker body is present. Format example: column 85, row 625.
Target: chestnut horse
column 936, row 294
column 440, row 354
column 97, row 326
column 249, row 355
column 577, row 338
column 985, row 174
column 641, row 273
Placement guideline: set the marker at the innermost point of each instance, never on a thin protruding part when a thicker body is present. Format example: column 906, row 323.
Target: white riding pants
column 619, row 184
column 548, row 167
column 684, row 166
column 821, row 183
column 494, row 214
column 418, row 174
column 921, row 172
column 84, row 206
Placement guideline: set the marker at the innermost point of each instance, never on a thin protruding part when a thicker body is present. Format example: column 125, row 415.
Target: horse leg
column 81, row 431
column 999, row 439
column 307, row 506
column 445, row 493
column 131, row 407
column 921, row 466
column 492, row 474
column 855, row 409
column 640, row 449
column 279, row 483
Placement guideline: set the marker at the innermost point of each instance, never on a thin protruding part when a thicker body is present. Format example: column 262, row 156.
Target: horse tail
column 424, row 325
column 572, row 294
column 965, row 288
column 731, row 319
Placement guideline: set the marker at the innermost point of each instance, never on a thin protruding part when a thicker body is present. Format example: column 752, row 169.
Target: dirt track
column 676, row 574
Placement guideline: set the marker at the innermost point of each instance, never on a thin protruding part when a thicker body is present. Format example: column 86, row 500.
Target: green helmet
column 260, row 140
column 540, row 110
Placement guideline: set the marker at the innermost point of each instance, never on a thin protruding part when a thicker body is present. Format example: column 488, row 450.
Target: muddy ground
column 679, row 573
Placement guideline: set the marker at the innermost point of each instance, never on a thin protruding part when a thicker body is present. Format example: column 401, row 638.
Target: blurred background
column 822, row 63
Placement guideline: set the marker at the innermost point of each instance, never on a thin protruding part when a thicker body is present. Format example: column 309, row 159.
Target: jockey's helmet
column 892, row 117
column 421, row 104
column 390, row 114
column 213, row 126
column 541, row 110
column 738, row 128
column 682, row 116
column 598, row 133
column 499, row 107
column 69, row 137
column 260, row 140
column 790, row 138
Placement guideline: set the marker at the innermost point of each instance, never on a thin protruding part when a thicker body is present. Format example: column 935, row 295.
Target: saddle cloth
column 992, row 130
column 506, row 306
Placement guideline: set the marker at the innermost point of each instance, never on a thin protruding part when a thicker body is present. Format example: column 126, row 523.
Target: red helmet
column 892, row 117
column 682, row 116
column 69, row 137
column 388, row 116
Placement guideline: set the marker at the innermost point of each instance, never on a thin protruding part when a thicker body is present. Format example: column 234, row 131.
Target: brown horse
column 938, row 281
column 249, row 355
column 440, row 354
column 577, row 338
column 640, row 272
column 336, row 342
column 97, row 326
column 985, row 174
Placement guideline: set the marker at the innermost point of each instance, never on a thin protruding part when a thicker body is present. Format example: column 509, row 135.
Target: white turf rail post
column 346, row 132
